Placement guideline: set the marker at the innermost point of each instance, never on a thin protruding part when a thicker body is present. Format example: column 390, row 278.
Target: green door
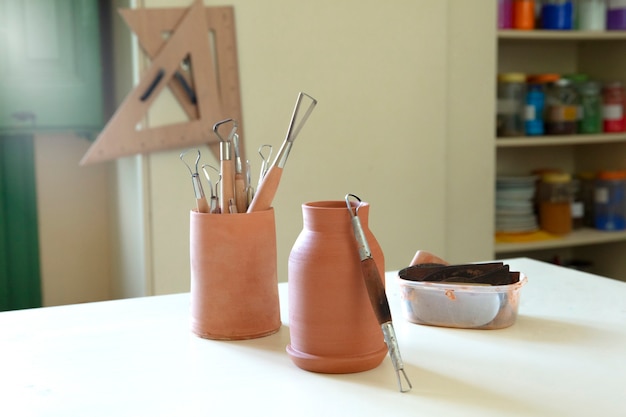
column 20, row 284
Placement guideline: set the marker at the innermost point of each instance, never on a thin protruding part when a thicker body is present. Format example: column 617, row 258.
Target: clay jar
column 332, row 324
column 234, row 284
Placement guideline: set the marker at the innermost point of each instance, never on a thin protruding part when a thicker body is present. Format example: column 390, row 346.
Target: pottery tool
column 249, row 187
column 241, row 199
column 201, row 202
column 377, row 295
column 214, row 202
column 265, row 161
column 267, row 188
column 227, row 186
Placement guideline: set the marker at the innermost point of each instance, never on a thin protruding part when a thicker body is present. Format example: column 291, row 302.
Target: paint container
column 557, row 15
column 616, row 15
column 610, row 200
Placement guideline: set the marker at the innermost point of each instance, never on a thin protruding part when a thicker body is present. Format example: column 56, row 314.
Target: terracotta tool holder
column 234, row 284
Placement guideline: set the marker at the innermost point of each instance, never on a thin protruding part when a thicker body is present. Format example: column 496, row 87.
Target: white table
column 565, row 356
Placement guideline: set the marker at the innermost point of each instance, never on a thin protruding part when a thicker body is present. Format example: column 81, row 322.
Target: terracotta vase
column 234, row 284
column 332, row 325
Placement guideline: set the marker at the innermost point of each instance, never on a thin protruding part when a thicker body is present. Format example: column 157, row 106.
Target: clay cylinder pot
column 234, row 284
column 332, row 325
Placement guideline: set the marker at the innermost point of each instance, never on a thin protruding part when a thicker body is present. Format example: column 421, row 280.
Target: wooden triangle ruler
column 208, row 92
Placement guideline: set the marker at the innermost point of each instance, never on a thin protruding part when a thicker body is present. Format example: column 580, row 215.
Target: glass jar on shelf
column 555, row 199
column 511, row 104
column 613, row 101
column 562, row 103
column 586, row 181
column 590, row 120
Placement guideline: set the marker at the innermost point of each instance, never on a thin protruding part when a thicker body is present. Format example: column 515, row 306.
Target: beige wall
column 381, row 73
column 73, row 221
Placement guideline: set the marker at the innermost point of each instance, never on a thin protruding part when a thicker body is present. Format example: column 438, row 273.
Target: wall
column 73, row 221
column 393, row 125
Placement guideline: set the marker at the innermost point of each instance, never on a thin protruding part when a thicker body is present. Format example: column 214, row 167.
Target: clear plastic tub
column 468, row 306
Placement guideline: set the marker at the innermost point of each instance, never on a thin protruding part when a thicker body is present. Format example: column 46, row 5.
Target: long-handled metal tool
column 227, row 169
column 241, row 199
column 201, row 203
column 377, row 295
column 267, row 188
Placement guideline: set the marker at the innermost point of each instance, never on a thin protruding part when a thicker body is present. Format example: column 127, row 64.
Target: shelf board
column 580, row 237
column 561, row 35
column 528, row 141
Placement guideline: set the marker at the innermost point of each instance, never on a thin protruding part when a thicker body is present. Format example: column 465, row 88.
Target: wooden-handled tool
column 377, row 295
column 267, row 188
column 241, row 197
column 227, row 168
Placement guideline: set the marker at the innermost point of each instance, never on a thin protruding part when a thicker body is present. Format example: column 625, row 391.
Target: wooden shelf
column 561, row 35
column 533, row 141
column 580, row 237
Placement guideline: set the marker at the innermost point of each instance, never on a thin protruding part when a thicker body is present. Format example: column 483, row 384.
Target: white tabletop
column 565, row 356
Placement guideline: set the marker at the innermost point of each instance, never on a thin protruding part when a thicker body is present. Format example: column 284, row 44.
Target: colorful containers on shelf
column 587, row 15
column 553, row 104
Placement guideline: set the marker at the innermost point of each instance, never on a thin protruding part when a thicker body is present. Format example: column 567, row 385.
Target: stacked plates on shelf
column 514, row 204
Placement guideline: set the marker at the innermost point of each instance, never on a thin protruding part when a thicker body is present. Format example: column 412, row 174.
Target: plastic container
column 535, row 105
column 610, row 200
column 613, row 102
column 505, row 14
column 616, row 15
column 557, row 15
column 461, row 305
column 524, row 14
column 555, row 197
column 591, row 15
column 511, row 104
column 562, row 103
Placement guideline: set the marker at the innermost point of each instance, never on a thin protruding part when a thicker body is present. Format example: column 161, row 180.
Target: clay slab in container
column 469, row 306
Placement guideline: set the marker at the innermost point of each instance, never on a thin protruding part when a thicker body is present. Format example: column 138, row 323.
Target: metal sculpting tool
column 267, row 188
column 201, row 202
column 377, row 295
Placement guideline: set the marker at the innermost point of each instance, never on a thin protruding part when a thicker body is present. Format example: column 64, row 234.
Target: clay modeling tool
column 201, row 202
column 249, row 187
column 227, row 186
column 214, row 202
column 267, row 188
column 241, row 199
column 265, row 161
column 377, row 295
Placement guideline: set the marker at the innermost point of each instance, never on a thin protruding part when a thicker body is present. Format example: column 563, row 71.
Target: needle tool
column 201, row 203
column 249, row 187
column 241, row 199
column 227, row 186
column 267, row 188
column 377, row 295
column 214, row 202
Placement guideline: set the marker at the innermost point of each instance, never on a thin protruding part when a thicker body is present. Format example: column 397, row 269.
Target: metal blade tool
column 267, row 188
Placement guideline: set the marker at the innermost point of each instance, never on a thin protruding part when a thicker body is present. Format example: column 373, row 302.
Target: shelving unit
column 601, row 55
